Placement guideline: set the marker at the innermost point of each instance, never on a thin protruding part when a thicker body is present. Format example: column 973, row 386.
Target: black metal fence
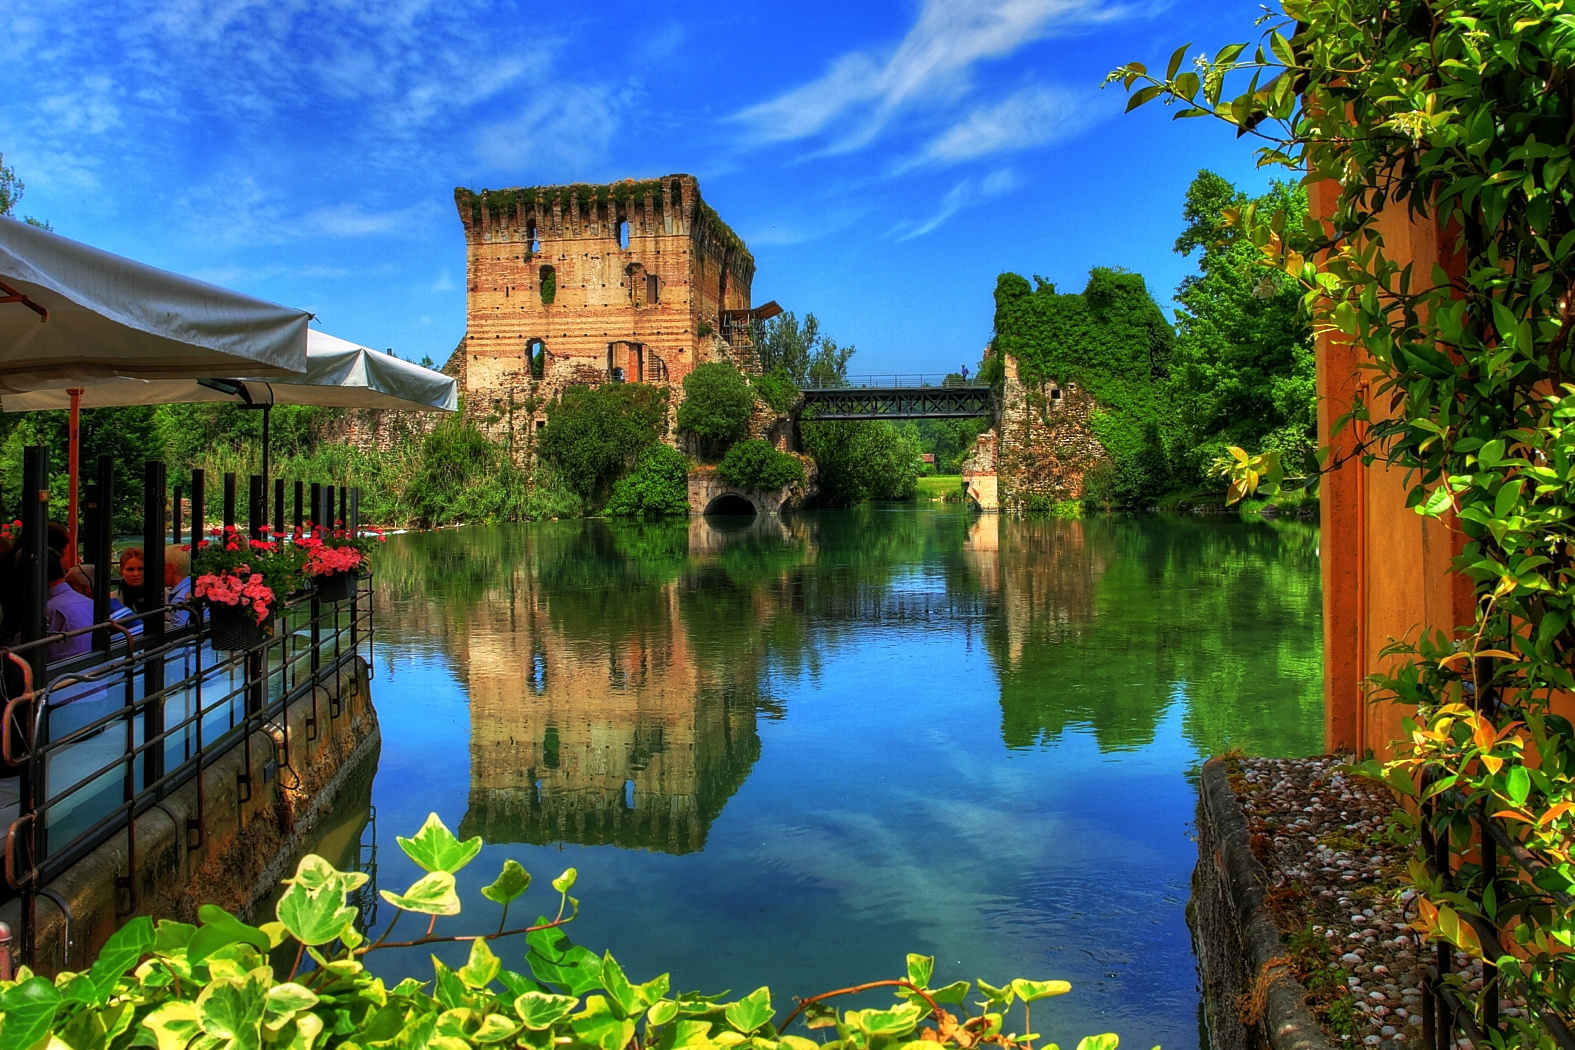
column 96, row 739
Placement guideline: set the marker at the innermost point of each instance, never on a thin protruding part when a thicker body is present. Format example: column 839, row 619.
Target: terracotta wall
column 1386, row 569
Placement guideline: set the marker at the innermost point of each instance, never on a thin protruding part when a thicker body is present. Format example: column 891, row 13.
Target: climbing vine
column 1459, row 118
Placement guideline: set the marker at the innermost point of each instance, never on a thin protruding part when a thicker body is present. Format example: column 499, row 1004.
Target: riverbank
column 1333, row 887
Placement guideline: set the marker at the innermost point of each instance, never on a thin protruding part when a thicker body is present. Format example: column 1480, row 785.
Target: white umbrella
column 339, row 374
column 71, row 314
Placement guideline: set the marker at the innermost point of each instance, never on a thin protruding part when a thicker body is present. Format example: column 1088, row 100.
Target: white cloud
column 444, row 283
column 568, row 127
column 862, row 92
column 353, row 220
column 1031, row 117
column 966, row 194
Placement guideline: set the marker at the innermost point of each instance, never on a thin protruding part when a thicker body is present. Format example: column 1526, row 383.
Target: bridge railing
column 898, row 381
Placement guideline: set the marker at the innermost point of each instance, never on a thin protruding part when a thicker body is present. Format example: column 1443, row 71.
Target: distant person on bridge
column 964, row 371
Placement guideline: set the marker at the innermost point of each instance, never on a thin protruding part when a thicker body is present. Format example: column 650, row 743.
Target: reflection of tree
column 1106, row 622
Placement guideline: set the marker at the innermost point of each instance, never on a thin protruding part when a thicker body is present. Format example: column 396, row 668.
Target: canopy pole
column 267, row 411
column 74, row 441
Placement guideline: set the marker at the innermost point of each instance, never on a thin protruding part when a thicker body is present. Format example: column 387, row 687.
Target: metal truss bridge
column 899, row 397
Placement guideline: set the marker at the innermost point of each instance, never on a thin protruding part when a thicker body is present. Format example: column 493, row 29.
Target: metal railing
column 109, row 735
column 1507, row 869
column 899, row 381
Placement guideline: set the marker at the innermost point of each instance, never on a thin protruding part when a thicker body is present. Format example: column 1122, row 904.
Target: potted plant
column 241, row 580
column 335, row 559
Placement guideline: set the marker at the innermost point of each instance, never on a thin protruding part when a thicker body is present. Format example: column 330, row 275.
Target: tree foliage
column 1461, row 119
column 717, row 405
column 594, row 433
column 1242, row 369
column 657, row 486
column 802, row 352
column 858, row 460
column 11, row 189
column 756, row 464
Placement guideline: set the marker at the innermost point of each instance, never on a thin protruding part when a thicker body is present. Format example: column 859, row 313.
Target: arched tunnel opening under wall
column 730, row 504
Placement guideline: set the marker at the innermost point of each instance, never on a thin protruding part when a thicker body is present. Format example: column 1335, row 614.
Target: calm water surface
column 790, row 753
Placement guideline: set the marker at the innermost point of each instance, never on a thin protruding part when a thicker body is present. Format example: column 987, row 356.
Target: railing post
column 229, row 501
column 299, row 510
column 103, row 547
column 315, row 515
column 256, row 521
column 278, row 506
column 175, row 515
column 328, row 508
column 199, row 507
column 344, row 507
column 153, row 492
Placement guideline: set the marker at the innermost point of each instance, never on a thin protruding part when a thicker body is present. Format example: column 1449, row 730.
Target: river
column 792, row 752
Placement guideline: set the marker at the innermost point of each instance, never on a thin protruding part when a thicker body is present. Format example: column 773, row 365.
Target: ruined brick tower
column 582, row 284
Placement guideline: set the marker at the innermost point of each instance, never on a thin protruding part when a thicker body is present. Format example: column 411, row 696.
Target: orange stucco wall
column 1385, row 568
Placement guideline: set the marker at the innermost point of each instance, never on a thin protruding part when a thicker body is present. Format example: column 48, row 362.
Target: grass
column 946, row 487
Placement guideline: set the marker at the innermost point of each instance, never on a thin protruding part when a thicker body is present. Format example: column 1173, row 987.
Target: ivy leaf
column 599, row 1026
column 893, row 1023
column 512, row 881
column 436, row 849
column 951, row 993
column 750, row 1012
column 431, row 894
column 554, row 959
column 219, row 929
column 517, row 983
column 234, row 1010
column 313, row 918
column 482, row 967
column 661, row 1012
column 173, row 1025
column 285, row 1001
column 494, row 1029
column 996, row 996
column 307, row 1028
column 1108, row 1041
column 541, row 1010
column 617, row 986
column 1031, row 991
column 125, row 947
column 565, row 882
column 29, row 1011
column 447, row 989
column 920, row 969
column 315, row 874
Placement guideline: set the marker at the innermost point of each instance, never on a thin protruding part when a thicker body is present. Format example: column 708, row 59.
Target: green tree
column 756, row 464
column 1242, row 368
column 658, row 485
column 861, row 460
column 717, row 405
column 801, row 351
column 11, row 189
column 594, row 433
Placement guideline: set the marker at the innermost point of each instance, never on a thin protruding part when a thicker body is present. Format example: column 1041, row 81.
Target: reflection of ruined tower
column 633, row 281
column 574, row 739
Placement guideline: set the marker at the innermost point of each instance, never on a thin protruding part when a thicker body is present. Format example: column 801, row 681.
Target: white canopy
column 109, row 316
column 339, row 374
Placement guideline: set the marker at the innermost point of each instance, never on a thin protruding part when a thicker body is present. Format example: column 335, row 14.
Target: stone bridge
column 709, row 494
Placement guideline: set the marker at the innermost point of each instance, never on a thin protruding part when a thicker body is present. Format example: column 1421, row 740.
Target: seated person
column 177, row 581
column 81, row 578
column 132, row 592
column 67, row 611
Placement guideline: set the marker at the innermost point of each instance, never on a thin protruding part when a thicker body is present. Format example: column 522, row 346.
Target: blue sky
column 884, row 161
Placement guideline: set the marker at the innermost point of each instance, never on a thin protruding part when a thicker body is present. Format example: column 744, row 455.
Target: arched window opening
column 536, row 350
column 549, row 285
column 530, row 235
column 653, row 288
column 623, row 234
column 678, row 192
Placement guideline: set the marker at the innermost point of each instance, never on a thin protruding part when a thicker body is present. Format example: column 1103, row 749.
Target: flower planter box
column 336, row 587
column 233, row 627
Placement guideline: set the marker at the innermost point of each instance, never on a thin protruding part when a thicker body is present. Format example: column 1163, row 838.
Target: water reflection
column 786, row 752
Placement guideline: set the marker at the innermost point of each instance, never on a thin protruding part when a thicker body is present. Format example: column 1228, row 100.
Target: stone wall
column 705, row 488
column 1045, row 446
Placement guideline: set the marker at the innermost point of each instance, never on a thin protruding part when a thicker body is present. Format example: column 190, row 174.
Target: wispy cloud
column 1029, row 118
column 354, row 220
column 966, row 194
column 568, row 128
column 862, row 92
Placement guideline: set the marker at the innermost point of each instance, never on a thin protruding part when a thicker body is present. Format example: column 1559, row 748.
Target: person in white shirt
column 177, row 584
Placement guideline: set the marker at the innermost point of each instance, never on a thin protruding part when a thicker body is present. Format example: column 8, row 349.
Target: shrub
column 717, row 405
column 459, row 478
column 776, row 389
column 755, row 464
column 594, row 433
column 860, row 460
column 172, row 984
column 658, row 485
